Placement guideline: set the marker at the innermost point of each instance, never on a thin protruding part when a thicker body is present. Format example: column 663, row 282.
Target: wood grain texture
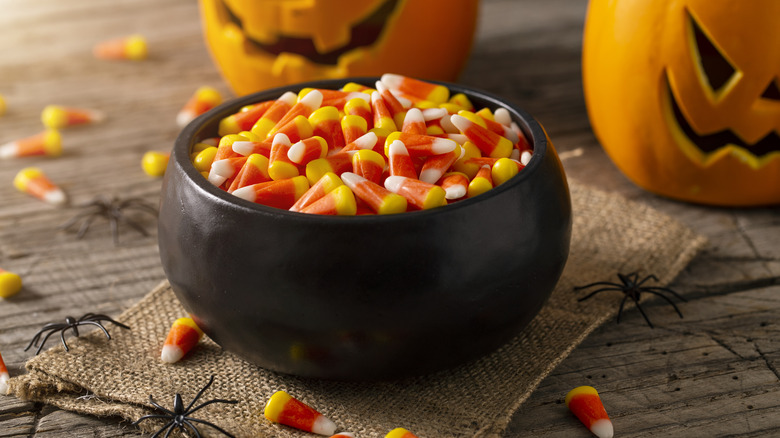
column 712, row 373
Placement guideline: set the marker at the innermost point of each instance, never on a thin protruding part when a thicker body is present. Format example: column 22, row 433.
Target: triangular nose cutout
column 772, row 91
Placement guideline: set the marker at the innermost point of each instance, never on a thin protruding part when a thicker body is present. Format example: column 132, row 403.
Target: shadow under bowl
column 364, row 297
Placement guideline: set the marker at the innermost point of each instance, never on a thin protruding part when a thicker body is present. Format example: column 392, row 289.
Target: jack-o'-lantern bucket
column 684, row 96
column 261, row 44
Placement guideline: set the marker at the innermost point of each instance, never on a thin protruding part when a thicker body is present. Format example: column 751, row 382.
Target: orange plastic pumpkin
column 259, row 44
column 684, row 95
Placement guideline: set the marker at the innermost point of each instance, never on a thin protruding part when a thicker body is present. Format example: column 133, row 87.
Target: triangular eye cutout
column 716, row 68
column 772, row 91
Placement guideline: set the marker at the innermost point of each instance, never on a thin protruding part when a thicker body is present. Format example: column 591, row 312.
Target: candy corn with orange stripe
column 381, row 200
column 418, row 193
column 48, row 143
column 133, row 48
column 204, row 99
column 183, row 336
column 284, row 409
column 585, row 403
column 34, row 182
column 323, row 186
column 280, row 194
column 338, row 202
column 4, row 376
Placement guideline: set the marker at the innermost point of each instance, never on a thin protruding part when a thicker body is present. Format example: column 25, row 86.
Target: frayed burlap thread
column 116, row 377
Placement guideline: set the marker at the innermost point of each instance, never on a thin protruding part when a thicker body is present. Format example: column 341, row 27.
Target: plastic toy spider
column 632, row 287
column 73, row 324
column 114, row 209
column 180, row 418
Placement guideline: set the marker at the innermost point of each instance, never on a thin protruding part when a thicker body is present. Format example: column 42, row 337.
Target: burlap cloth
column 116, row 377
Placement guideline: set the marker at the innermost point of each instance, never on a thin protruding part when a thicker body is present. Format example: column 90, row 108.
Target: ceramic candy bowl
column 364, row 297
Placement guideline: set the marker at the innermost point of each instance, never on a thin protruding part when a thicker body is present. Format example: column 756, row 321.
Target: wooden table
column 713, row 373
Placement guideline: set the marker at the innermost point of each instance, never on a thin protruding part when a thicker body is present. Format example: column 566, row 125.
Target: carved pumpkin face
column 684, row 96
column 260, row 44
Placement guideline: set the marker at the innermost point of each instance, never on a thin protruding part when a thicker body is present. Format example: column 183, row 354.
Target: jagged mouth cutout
column 720, row 76
column 363, row 34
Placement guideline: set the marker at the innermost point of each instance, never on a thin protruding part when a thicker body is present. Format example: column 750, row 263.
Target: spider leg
column 651, row 276
column 665, row 289
column 134, row 225
column 186, row 422
column 620, row 309
column 232, row 402
column 598, row 283
column 172, row 425
column 642, row 311
column 62, row 337
column 212, row 425
column 101, row 317
column 668, row 300
column 169, row 412
column 599, row 290
column 197, row 396
column 99, row 325
column 146, row 417
column 85, row 226
column 73, row 220
column 114, row 224
column 139, row 204
column 37, row 337
column 169, row 427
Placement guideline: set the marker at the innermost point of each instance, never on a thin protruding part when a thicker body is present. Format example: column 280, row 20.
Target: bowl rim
column 532, row 129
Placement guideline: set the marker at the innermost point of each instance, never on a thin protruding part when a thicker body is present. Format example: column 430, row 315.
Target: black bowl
column 365, row 297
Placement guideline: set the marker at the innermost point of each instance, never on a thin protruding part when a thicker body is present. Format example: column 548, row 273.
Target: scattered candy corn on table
column 714, row 372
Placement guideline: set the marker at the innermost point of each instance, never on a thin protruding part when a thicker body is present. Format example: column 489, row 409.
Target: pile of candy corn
column 404, row 145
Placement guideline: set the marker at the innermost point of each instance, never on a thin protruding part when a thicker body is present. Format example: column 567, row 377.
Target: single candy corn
column 282, row 408
column 10, row 283
column 338, row 202
column 323, row 186
column 34, row 182
column 353, row 127
column 204, row 99
column 421, row 145
column 275, row 112
column 414, row 122
column 279, row 164
column 455, row 185
column 326, row 123
column 503, row 170
column 4, row 376
column 254, row 171
column 414, row 87
column 482, row 182
column 280, row 194
column 56, row 116
column 155, row 162
column 360, row 108
column 336, row 163
column 416, row 192
column 132, row 48
column 584, row 402
column 343, row 435
column 490, row 143
column 182, row 338
column 399, row 160
column 383, row 118
column 303, row 108
column 47, row 143
column 381, row 200
column 308, row 149
column 400, row 432
column 436, row 165
column 243, row 120
column 368, row 164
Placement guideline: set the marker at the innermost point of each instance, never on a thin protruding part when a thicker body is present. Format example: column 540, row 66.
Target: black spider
column 180, row 416
column 632, row 288
column 71, row 323
column 112, row 209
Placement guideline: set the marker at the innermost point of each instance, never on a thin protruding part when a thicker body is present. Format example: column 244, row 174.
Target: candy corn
column 400, row 432
column 584, row 402
column 56, row 116
column 204, row 99
column 131, row 48
column 10, row 283
column 3, row 106
column 34, row 182
column 343, row 435
column 182, row 338
column 4, row 376
column 416, row 192
column 408, row 141
column 155, row 162
column 381, row 200
column 47, row 143
column 282, row 408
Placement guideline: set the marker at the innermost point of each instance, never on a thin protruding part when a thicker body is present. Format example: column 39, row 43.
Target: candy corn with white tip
column 416, row 88
column 490, row 143
column 182, row 338
column 400, row 162
column 34, row 182
column 133, row 48
column 416, row 192
column 47, row 143
column 482, row 182
column 282, row 408
column 455, row 185
column 338, row 202
column 280, row 194
column 56, row 116
column 4, row 376
column 584, row 402
column 414, row 122
column 422, row 145
column 204, row 99
column 400, row 432
column 323, row 186
column 381, row 200
column 10, row 283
